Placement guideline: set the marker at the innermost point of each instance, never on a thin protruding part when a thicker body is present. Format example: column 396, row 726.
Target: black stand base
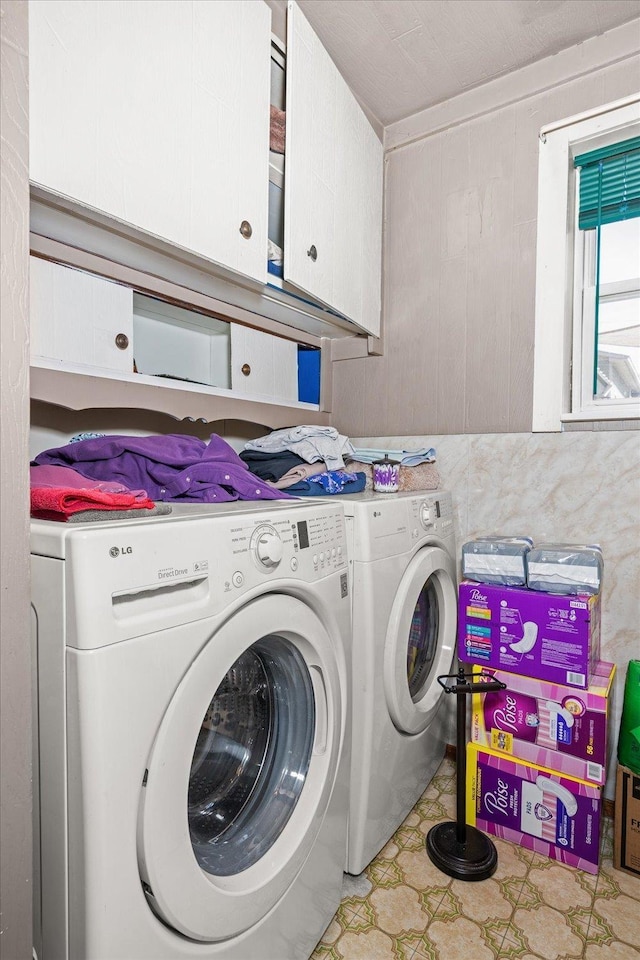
column 475, row 859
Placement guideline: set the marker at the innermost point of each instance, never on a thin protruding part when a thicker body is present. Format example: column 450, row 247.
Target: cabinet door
column 263, row 365
column 156, row 112
column 77, row 318
column 333, row 184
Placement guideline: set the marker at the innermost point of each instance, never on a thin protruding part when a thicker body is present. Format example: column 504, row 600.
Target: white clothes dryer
column 192, row 677
column 402, row 554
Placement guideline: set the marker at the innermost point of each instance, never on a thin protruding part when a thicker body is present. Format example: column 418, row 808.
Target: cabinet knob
column 122, row 341
column 245, row 369
column 246, row 229
column 313, row 253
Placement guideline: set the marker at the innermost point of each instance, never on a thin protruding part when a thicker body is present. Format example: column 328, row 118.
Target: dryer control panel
column 434, row 513
column 392, row 524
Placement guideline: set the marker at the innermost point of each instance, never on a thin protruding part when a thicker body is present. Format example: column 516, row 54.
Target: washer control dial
column 426, row 515
column 267, row 546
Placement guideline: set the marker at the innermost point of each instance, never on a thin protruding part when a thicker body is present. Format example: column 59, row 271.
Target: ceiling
column 401, row 56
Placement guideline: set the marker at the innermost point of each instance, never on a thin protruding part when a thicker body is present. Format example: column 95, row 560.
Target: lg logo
column 116, row 551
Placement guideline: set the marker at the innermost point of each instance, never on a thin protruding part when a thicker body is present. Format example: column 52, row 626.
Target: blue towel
column 407, row 458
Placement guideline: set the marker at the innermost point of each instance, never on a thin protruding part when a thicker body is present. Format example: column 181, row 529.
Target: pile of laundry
column 121, row 474
column 126, row 476
column 316, row 461
column 304, row 461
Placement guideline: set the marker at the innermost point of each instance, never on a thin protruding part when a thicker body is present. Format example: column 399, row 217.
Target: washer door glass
column 423, row 639
column 420, row 640
column 251, row 758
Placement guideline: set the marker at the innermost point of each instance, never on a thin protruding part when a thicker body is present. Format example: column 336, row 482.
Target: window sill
column 632, row 412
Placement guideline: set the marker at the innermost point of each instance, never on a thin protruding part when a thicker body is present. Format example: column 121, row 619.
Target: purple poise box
column 541, row 635
column 534, row 807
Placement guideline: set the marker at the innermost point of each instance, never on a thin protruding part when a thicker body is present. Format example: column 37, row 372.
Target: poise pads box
column 549, row 724
column 534, row 807
column 540, row 635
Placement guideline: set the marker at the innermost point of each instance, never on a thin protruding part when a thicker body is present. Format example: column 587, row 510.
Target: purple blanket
column 171, row 467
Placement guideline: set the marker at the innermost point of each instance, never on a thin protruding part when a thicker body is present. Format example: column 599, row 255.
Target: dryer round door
column 242, row 770
column 420, row 639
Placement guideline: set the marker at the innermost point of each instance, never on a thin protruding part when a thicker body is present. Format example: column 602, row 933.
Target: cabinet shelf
column 77, row 389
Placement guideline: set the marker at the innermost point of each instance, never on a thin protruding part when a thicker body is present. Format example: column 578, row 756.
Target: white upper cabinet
column 79, row 319
column 156, row 112
column 333, row 184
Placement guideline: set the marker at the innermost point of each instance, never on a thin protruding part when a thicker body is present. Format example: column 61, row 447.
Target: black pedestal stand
column 458, row 849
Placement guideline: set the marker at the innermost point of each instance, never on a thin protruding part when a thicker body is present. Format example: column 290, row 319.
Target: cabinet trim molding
column 84, row 230
column 147, row 283
column 70, row 389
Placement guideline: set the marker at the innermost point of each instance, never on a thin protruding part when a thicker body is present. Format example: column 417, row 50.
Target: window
column 587, row 338
column 606, row 353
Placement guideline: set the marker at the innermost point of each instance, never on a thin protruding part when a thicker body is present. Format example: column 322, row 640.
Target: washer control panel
column 306, row 542
column 193, row 564
column 266, row 545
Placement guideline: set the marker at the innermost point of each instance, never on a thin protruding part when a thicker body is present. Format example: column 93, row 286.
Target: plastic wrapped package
column 566, row 568
column 500, row 560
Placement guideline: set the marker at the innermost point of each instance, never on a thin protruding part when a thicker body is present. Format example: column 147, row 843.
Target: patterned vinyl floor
column 404, row 908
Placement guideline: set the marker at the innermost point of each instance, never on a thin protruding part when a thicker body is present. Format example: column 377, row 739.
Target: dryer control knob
column 426, row 518
column 269, row 549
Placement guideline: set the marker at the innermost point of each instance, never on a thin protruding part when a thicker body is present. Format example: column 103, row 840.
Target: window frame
column 559, row 364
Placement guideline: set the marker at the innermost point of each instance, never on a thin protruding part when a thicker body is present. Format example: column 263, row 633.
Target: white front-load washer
column 193, row 758
column 402, row 553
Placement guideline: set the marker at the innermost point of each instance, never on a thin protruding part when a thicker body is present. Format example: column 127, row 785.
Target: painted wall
column 15, row 659
column 566, row 487
column 459, row 242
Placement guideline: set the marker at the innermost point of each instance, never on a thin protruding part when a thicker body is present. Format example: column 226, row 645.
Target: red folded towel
column 58, row 503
